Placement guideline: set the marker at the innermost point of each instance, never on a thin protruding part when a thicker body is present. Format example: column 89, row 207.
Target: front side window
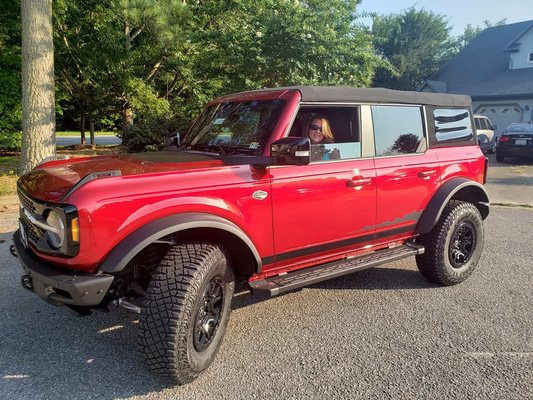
column 452, row 125
column 398, row 130
column 230, row 127
column 333, row 131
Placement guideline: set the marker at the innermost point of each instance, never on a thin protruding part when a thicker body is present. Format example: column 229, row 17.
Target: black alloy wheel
column 462, row 244
column 209, row 314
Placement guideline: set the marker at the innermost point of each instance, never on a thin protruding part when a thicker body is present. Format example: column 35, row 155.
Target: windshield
column 520, row 128
column 232, row 127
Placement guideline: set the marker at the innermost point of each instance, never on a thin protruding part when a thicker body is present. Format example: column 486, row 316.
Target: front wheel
column 453, row 247
column 185, row 311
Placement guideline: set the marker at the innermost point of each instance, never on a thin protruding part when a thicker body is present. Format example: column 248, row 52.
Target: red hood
column 52, row 180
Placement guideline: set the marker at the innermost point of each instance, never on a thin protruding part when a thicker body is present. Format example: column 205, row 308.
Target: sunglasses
column 315, row 128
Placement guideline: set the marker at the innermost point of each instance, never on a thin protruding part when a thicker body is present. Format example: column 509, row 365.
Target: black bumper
column 515, row 151
column 59, row 286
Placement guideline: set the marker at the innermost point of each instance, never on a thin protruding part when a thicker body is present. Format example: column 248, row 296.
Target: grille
column 31, row 231
column 26, row 203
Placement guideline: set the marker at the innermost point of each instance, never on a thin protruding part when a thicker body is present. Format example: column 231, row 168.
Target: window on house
column 530, row 57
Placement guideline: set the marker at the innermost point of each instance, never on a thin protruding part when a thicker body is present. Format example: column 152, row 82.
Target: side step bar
column 280, row 284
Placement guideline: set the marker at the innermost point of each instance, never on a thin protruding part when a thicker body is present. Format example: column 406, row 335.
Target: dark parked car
column 515, row 141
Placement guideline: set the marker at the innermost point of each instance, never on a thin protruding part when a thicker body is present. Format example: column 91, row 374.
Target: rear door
column 407, row 173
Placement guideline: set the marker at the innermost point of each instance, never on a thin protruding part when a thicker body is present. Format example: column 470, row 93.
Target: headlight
column 55, row 237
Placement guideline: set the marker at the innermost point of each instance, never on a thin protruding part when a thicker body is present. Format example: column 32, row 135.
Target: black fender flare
column 456, row 188
column 130, row 246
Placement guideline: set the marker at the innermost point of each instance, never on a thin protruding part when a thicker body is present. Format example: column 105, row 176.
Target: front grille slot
column 31, row 230
column 27, row 203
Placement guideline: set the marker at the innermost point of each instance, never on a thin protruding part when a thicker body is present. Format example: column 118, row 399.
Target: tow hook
column 26, row 282
column 13, row 251
column 127, row 305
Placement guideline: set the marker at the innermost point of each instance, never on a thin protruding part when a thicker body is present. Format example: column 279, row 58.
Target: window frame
column 423, row 117
column 357, row 107
column 434, row 143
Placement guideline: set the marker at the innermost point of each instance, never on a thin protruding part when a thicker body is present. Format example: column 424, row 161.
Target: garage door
column 501, row 115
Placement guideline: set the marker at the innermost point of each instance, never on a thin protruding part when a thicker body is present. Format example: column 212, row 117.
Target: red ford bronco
column 246, row 196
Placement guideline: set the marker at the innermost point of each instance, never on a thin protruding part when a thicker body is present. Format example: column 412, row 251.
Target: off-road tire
column 175, row 303
column 458, row 232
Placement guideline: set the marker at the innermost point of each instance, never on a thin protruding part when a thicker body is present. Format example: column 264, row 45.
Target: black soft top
column 346, row 94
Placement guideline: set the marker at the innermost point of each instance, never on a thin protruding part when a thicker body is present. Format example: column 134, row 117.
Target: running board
column 280, row 284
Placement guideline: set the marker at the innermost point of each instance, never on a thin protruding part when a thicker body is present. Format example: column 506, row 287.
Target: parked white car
column 485, row 133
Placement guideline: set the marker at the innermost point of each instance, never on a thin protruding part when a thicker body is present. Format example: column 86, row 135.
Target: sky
column 460, row 13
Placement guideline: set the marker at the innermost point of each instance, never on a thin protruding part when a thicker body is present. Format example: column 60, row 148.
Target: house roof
column 481, row 69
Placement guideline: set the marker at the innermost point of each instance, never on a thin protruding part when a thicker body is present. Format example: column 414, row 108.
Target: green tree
column 416, row 43
column 10, row 79
column 150, row 59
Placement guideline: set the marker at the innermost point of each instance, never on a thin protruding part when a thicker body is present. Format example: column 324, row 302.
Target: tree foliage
column 415, row 43
column 10, row 79
column 120, row 62
column 147, row 59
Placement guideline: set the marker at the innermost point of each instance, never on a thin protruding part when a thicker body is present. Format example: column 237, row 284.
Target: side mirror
column 494, row 127
column 291, row 151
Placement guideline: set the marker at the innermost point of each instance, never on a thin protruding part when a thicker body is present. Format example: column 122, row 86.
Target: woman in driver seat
column 319, row 130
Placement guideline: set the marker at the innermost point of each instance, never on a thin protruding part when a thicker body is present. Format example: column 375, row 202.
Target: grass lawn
column 9, row 163
column 8, row 177
column 87, row 133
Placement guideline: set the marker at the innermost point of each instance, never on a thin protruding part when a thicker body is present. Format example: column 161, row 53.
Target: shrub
column 149, row 135
column 10, row 141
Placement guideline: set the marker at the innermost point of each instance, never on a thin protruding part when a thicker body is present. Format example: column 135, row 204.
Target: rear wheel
column 499, row 157
column 185, row 311
column 453, row 247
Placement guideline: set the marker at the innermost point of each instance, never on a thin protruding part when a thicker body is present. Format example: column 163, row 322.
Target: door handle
column 427, row 174
column 356, row 181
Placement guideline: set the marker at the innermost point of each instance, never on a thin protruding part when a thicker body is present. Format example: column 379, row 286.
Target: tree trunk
column 38, row 100
column 91, row 129
column 127, row 116
column 82, row 128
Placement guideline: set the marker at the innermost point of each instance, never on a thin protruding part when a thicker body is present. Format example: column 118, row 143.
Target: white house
column 496, row 70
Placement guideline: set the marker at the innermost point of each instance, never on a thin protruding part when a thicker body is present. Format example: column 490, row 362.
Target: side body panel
column 405, row 185
column 322, row 210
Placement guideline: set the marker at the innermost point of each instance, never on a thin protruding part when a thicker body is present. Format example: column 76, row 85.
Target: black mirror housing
column 291, row 151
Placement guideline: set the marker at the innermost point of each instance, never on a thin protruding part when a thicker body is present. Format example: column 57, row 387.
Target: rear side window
column 452, row 126
column 398, row 130
column 482, row 123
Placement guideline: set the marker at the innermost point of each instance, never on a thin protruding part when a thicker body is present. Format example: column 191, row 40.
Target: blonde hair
column 326, row 128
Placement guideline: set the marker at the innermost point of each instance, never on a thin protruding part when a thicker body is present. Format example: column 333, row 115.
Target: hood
column 53, row 180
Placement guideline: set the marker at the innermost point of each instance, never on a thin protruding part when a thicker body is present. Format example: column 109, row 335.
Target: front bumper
column 59, row 286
